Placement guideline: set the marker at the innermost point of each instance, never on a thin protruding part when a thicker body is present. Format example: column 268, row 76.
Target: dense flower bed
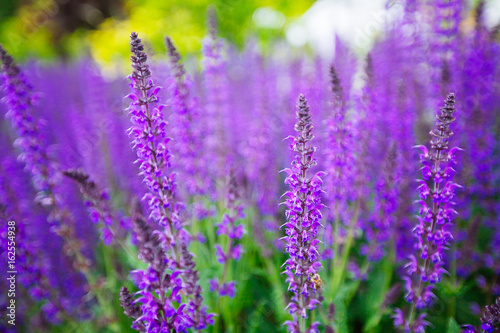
column 267, row 192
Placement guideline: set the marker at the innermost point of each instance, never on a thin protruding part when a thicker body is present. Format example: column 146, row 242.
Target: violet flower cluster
column 481, row 144
column 149, row 140
column 20, row 100
column 33, row 273
column 490, row 320
column 160, row 291
column 228, row 113
column 18, row 211
column 259, row 150
column 24, row 259
column 64, row 296
column 339, row 162
column 234, row 232
column 165, row 251
column 385, row 205
column 96, row 202
column 303, row 214
column 261, row 155
column 217, row 115
column 444, row 43
column 186, row 128
column 433, row 232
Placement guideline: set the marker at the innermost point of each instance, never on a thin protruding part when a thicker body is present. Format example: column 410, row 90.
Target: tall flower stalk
column 149, row 140
column 96, row 202
column 98, row 206
column 217, row 94
column 20, row 100
column 234, row 232
column 433, row 230
column 490, row 320
column 303, row 205
column 35, row 271
column 481, row 172
column 445, row 33
column 340, row 175
column 259, row 150
column 167, row 274
column 378, row 231
column 186, row 125
column 230, row 249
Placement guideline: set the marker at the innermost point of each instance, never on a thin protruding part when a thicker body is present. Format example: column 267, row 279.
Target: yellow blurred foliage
column 29, row 32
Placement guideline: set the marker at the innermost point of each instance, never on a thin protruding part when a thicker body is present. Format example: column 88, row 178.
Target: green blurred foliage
column 7, row 9
column 38, row 28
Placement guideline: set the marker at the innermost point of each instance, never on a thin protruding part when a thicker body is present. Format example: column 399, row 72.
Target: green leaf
column 373, row 322
column 453, row 326
column 379, row 283
column 341, row 320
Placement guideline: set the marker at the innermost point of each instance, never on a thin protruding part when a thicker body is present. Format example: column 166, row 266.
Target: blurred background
column 48, row 29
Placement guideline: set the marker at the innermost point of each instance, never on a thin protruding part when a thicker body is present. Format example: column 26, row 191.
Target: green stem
column 339, row 270
column 364, row 269
column 336, row 246
column 275, row 278
column 453, row 280
column 302, row 321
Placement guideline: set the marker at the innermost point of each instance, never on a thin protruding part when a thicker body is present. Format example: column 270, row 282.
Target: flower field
column 258, row 190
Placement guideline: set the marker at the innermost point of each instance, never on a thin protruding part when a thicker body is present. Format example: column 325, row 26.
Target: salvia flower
column 444, row 44
column 161, row 284
column 132, row 309
column 229, row 227
column 96, row 202
column 187, row 128
column 199, row 319
column 16, row 208
column 480, row 142
column 217, row 101
column 339, row 153
column 159, row 290
column 379, row 230
column 34, row 272
column 149, row 140
column 303, row 205
column 20, row 100
column 490, row 321
column 259, row 150
column 150, row 143
column 433, row 230
column 30, row 277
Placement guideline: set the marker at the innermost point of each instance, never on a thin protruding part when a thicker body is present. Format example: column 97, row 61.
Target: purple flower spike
column 217, row 113
column 490, row 321
column 96, row 202
column 149, row 140
column 303, row 215
column 187, row 129
column 171, row 272
column 20, row 100
column 155, row 311
column 199, row 318
column 234, row 232
column 132, row 309
column 432, row 232
column 339, row 155
column 386, row 204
